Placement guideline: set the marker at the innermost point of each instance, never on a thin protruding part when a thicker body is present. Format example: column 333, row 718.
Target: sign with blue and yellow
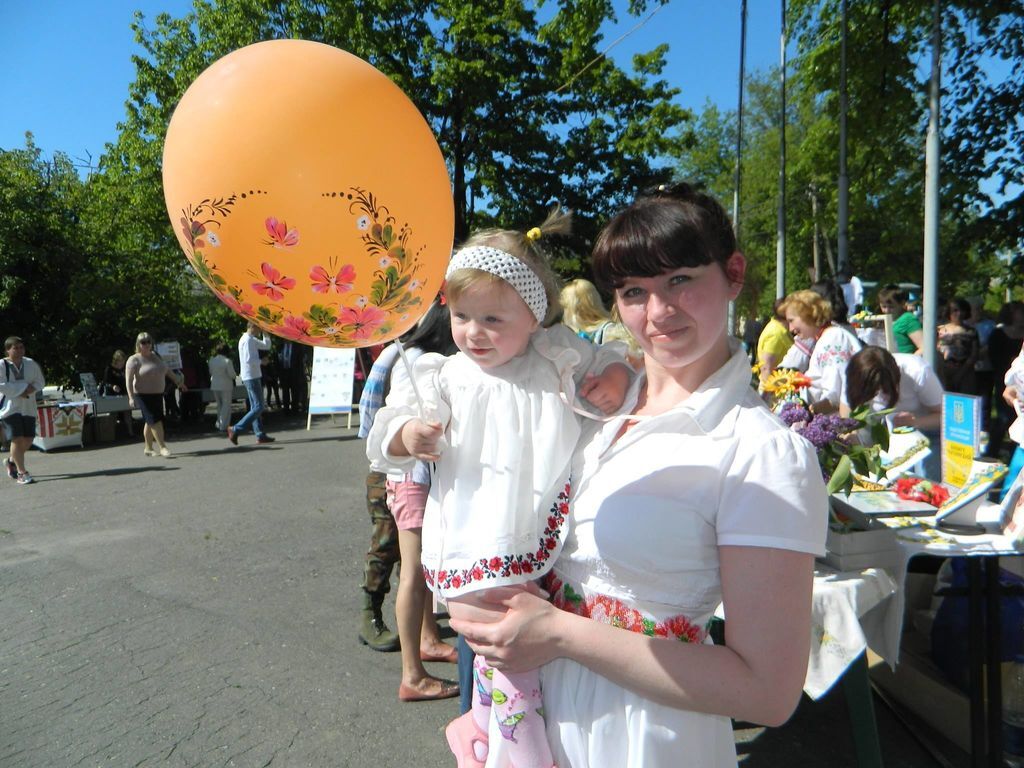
column 961, row 436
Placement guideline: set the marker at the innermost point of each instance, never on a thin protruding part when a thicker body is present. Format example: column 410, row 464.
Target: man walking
column 20, row 379
column 249, row 366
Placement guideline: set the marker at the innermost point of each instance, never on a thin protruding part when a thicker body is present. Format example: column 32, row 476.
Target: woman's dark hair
column 222, row 349
column 674, row 226
column 833, row 294
column 870, row 372
column 960, row 305
column 893, row 292
column 433, row 333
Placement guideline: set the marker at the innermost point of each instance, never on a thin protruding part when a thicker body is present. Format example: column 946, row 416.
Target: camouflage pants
column 383, row 552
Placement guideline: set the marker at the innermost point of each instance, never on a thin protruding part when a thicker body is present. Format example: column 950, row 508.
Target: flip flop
column 450, row 655
column 449, row 689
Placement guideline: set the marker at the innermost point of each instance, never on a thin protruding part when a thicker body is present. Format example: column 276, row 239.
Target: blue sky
column 65, row 65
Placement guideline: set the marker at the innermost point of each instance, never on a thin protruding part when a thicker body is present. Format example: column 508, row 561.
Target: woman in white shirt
column 907, row 384
column 696, row 496
column 809, row 317
column 222, row 383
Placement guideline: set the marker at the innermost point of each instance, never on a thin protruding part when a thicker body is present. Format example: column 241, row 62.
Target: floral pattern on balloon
column 355, row 320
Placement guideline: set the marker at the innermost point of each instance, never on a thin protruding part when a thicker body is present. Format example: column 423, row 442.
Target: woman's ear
column 735, row 272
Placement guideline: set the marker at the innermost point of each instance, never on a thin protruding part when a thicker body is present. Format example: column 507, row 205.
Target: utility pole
column 739, row 145
column 780, row 234
column 930, row 279
column 843, row 263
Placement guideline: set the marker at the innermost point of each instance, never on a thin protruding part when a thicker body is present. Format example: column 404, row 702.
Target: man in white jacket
column 249, row 369
column 20, row 379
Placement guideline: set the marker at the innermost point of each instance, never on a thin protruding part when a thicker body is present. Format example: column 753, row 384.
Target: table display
column 59, row 425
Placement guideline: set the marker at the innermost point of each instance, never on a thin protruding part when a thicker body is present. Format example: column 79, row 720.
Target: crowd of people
column 150, row 385
column 815, row 332
column 583, row 488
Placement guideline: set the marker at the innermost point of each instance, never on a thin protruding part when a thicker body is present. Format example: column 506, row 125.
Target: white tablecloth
column 839, row 603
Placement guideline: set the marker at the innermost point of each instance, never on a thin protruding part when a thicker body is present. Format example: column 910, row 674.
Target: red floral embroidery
column 609, row 610
column 511, row 564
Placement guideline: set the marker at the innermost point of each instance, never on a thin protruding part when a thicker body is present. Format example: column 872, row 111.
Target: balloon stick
column 412, row 380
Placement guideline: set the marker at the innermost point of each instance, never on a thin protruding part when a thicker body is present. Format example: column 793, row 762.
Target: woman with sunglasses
column 144, row 375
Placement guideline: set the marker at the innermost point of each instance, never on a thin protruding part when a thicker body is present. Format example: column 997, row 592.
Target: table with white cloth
column 840, row 603
column 884, row 628
column 59, row 424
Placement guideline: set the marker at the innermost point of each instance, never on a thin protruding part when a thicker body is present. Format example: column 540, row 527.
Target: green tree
column 41, row 253
column 520, row 116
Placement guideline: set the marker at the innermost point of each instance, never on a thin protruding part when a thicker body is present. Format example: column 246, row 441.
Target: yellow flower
column 784, row 382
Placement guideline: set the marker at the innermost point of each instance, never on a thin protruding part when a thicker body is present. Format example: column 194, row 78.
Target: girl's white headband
column 508, row 268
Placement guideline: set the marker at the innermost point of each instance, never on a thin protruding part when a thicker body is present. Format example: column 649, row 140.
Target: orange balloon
column 309, row 194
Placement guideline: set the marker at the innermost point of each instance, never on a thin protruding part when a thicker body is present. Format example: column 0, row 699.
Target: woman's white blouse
column 650, row 512
column 827, row 366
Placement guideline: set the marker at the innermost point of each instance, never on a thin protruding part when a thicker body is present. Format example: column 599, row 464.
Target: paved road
column 201, row 611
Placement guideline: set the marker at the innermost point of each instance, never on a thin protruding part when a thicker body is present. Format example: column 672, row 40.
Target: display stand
column 59, row 425
column 331, row 384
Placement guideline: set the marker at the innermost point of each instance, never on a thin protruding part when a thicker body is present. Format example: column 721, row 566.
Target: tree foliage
column 525, row 110
column 889, row 57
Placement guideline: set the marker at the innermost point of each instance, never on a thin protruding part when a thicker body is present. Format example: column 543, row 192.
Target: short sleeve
column 929, row 388
column 774, row 496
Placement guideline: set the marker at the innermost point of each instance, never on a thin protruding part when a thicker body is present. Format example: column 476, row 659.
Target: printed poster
column 961, row 436
column 331, row 385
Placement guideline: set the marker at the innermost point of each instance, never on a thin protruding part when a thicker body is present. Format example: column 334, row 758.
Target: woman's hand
column 903, row 419
column 526, row 638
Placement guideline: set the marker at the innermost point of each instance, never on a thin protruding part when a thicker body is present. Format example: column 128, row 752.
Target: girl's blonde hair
column 525, row 246
column 582, row 308
column 812, row 308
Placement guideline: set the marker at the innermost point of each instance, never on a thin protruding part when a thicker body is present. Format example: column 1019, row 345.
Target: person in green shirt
column 907, row 329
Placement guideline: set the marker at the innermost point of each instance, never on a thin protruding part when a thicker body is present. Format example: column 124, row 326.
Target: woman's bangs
column 626, row 254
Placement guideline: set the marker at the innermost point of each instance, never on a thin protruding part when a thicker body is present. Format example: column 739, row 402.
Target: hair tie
column 534, row 234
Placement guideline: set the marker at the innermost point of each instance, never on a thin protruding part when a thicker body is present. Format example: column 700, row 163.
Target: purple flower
column 794, row 412
column 820, row 431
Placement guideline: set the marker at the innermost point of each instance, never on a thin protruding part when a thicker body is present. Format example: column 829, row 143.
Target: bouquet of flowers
column 840, row 453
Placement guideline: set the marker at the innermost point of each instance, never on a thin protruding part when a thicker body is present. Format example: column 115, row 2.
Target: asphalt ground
column 201, row 610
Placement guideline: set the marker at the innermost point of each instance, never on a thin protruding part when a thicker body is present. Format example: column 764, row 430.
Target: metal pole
column 930, row 279
column 780, row 234
column 843, row 260
column 739, row 145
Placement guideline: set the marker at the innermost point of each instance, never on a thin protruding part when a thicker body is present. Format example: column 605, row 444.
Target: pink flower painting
column 274, row 284
column 280, row 235
column 365, row 319
column 294, row 328
column 325, row 282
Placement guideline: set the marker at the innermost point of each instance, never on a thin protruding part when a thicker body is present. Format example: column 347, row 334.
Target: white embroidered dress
column 650, row 512
column 498, row 506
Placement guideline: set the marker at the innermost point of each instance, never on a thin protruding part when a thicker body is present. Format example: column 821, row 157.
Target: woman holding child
column 696, row 495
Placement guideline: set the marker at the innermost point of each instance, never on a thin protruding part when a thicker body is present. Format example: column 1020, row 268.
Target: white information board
column 170, row 351
column 330, row 387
